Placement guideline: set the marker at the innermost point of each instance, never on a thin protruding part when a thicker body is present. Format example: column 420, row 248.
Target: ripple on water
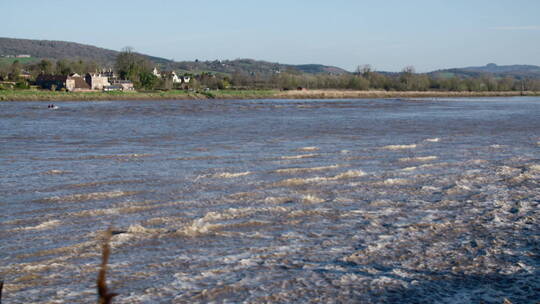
column 81, row 197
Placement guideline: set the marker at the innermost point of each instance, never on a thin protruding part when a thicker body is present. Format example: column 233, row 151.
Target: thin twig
column 104, row 296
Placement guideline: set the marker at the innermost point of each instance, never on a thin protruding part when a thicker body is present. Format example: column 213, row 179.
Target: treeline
column 366, row 79
column 16, row 70
column 138, row 69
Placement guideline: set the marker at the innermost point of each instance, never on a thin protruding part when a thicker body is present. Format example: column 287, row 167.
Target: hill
column 62, row 50
column 515, row 71
column 250, row 66
column 70, row 50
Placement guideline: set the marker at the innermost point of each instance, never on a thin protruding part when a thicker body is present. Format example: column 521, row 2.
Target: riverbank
column 35, row 95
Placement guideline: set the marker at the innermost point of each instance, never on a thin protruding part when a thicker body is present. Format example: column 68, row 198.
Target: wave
column 300, row 156
column 418, row 159
column 55, row 172
column 303, row 181
column 308, row 149
column 116, row 156
column 396, row 181
column 432, row 140
column 205, row 224
column 312, row 199
column 305, row 170
column 278, row 200
column 230, row 175
column 88, row 196
column 399, row 147
column 409, row 169
column 43, row 226
column 112, row 211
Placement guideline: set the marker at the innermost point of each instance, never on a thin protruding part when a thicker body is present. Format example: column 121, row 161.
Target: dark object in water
column 104, row 296
column 116, row 232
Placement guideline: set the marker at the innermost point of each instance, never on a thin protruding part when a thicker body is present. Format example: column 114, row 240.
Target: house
column 114, row 87
column 97, row 81
column 109, row 73
column 73, row 82
column 156, row 73
column 126, row 85
column 171, row 75
column 25, row 75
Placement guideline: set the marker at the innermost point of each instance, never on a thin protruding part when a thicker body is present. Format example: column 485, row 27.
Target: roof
column 48, row 77
column 80, row 83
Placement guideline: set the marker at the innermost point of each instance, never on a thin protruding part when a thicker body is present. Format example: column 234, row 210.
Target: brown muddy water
column 272, row 201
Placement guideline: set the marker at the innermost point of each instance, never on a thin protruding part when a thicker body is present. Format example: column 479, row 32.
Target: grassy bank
column 38, row 95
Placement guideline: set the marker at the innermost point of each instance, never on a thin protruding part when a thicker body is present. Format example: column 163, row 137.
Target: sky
column 388, row 35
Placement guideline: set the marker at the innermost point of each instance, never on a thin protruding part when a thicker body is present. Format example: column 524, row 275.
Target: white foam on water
column 308, row 149
column 231, row 174
column 198, row 227
column 507, row 171
column 399, row 147
column 312, row 199
column 206, row 223
column 528, row 175
column 119, row 157
column 89, row 196
column 418, row 159
column 431, row 188
column 291, row 182
column 433, row 140
column 534, row 168
column 305, row 170
column 43, row 226
column 95, row 212
column 135, row 231
column 409, row 169
column 300, row 156
column 277, row 199
column 349, row 174
column 55, row 172
column 396, row 181
column 139, row 229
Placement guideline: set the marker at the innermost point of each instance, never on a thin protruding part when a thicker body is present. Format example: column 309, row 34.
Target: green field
column 42, row 95
column 9, row 61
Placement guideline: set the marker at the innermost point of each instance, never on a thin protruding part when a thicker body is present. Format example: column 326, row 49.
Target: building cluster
column 173, row 76
column 104, row 81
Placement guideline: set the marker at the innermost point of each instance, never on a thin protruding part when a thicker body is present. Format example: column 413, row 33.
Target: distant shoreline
column 32, row 95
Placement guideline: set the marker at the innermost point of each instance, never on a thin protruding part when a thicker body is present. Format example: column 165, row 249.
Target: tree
column 407, row 78
column 146, row 80
column 15, row 70
column 63, row 67
column 364, row 70
column 45, row 66
column 134, row 67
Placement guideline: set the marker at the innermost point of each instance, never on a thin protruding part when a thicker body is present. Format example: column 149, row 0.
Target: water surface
column 280, row 201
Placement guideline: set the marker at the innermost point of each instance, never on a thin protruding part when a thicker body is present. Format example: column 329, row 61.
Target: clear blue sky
column 389, row 35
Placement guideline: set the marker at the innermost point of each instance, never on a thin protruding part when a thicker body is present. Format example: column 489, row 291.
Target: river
column 272, row 201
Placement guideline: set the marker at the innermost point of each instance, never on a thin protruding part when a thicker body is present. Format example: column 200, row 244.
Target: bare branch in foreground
column 104, row 296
